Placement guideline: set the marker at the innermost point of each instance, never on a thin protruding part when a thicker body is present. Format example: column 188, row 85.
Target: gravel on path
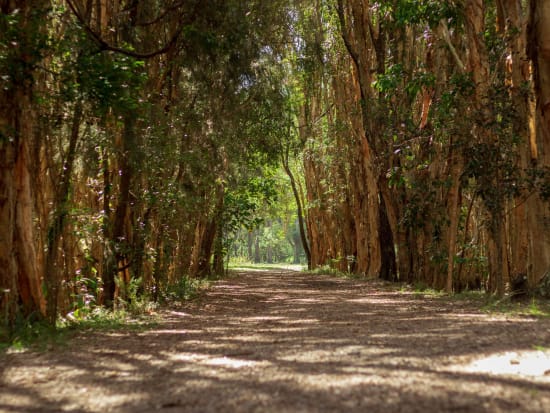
column 284, row 341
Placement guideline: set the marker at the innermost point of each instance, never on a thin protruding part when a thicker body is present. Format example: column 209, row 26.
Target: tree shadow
column 283, row 341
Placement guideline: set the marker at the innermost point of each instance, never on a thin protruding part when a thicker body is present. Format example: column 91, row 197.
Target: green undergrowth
column 133, row 314
column 333, row 272
column 40, row 335
column 185, row 289
column 27, row 334
column 420, row 290
column 327, row 270
column 526, row 307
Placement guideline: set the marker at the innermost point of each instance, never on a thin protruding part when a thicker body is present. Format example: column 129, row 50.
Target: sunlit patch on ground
column 230, row 362
column 295, row 342
column 179, row 314
column 266, row 267
column 524, row 363
column 263, row 318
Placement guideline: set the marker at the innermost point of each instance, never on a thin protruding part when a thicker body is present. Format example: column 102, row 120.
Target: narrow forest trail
column 290, row 342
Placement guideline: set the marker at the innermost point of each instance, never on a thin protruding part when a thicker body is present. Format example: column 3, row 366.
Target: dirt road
column 291, row 342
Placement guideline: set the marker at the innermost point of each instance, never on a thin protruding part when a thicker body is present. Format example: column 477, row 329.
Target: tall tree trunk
column 53, row 274
column 269, row 246
column 512, row 25
column 296, row 242
column 219, row 253
column 388, row 269
column 300, row 210
column 206, row 231
column 20, row 283
column 119, row 257
column 363, row 180
column 366, row 46
column 453, row 208
column 539, row 213
column 250, row 244
column 257, row 252
column 491, row 182
column 108, row 260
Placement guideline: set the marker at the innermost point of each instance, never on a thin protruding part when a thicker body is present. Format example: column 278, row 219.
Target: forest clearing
column 283, row 341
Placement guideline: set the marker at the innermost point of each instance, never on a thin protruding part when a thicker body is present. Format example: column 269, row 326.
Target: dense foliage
column 141, row 143
column 427, row 118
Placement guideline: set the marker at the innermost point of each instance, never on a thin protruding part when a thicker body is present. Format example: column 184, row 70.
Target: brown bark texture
column 539, row 212
column 20, row 282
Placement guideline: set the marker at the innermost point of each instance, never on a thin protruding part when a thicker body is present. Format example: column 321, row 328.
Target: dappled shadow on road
column 283, row 341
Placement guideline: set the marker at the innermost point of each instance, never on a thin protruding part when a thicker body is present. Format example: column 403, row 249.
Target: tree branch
column 104, row 45
column 447, row 38
column 161, row 15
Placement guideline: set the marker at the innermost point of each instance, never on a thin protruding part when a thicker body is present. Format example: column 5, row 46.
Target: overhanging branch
column 104, row 45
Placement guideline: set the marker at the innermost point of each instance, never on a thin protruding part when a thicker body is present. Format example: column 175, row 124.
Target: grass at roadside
column 525, row 307
column 236, row 266
column 133, row 314
column 40, row 336
column 328, row 270
column 528, row 306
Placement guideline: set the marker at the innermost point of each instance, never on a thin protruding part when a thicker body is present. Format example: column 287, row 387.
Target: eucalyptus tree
column 438, row 97
column 22, row 46
column 537, row 209
column 122, row 126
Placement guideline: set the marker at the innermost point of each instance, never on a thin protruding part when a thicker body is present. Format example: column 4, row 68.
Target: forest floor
column 283, row 341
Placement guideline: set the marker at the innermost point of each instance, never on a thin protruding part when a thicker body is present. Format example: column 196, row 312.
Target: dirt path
column 289, row 342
